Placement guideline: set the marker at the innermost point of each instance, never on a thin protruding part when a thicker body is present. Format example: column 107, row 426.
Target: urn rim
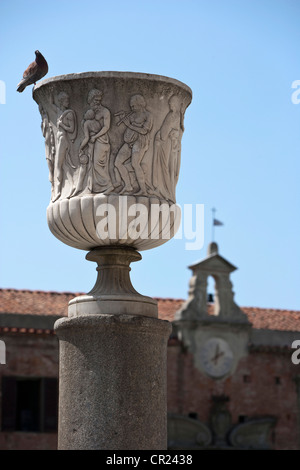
column 116, row 75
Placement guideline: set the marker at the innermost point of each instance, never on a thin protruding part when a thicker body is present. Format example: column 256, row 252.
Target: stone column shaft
column 113, row 382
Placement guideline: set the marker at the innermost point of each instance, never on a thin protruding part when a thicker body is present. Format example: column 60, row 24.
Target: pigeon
column 34, row 72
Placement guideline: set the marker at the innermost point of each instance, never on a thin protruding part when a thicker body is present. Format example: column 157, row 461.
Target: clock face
column 217, row 357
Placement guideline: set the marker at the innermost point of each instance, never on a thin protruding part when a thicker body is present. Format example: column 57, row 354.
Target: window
column 242, row 418
column 29, row 404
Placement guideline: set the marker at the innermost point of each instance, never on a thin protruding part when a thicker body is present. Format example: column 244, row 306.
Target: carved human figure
column 48, row 135
column 138, row 124
column 90, row 127
column 97, row 139
column 167, row 151
column 66, row 133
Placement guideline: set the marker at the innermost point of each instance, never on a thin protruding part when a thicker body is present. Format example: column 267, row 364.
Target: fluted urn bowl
column 113, row 148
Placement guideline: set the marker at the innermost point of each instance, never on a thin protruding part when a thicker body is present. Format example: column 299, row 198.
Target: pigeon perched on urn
column 34, row 72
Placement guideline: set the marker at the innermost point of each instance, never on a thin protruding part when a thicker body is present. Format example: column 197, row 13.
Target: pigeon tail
column 21, row 86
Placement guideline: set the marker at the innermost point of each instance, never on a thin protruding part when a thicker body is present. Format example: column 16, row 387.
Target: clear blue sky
column 240, row 149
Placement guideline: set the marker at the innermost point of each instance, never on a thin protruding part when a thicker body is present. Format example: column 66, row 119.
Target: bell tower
column 217, row 336
column 224, row 309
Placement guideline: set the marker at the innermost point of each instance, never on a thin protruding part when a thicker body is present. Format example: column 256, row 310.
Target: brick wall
column 262, row 385
column 28, row 356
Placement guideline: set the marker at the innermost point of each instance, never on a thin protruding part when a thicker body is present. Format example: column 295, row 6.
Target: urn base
column 113, row 293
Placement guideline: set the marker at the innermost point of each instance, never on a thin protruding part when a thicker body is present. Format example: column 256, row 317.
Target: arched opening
column 212, row 301
column 211, row 294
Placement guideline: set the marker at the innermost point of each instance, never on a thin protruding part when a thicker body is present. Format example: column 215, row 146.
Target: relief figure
column 99, row 139
column 90, row 127
column 48, row 134
column 66, row 134
column 167, row 152
column 94, row 150
column 138, row 124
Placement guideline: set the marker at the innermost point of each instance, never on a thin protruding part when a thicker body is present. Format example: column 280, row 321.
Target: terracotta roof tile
column 56, row 303
column 34, row 302
column 273, row 319
column 168, row 307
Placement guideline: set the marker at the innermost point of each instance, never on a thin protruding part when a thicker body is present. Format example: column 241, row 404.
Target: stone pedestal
column 113, row 349
column 112, row 382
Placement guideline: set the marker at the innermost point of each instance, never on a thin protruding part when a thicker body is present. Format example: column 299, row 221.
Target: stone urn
column 113, row 148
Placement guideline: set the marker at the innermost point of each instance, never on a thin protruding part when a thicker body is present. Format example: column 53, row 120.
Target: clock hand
column 218, row 354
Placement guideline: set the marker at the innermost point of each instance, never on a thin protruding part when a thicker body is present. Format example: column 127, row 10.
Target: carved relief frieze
column 83, row 158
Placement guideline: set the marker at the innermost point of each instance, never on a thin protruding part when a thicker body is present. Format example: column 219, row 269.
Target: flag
column 217, row 222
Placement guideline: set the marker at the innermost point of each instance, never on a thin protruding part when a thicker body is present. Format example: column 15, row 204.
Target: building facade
column 232, row 383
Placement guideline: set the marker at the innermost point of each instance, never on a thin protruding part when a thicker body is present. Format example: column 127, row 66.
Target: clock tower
column 216, row 333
